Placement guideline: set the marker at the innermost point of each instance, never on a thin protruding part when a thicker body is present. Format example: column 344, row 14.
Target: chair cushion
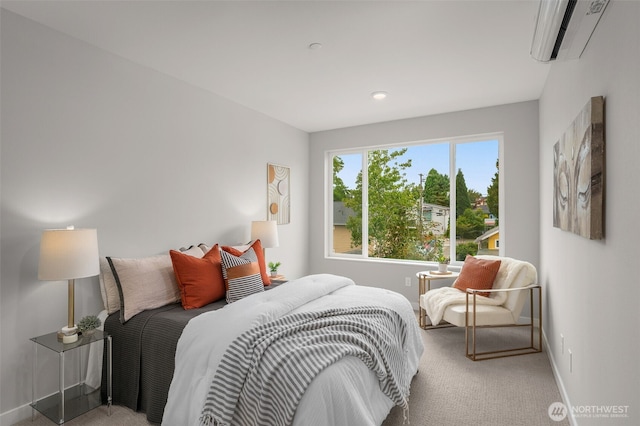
column 477, row 274
column 485, row 315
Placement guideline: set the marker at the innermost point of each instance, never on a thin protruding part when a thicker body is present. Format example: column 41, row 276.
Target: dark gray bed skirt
column 143, row 356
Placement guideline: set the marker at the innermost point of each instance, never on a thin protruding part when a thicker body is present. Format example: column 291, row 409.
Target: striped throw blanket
column 265, row 372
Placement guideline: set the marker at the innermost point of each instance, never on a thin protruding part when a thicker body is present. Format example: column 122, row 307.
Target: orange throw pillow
column 257, row 247
column 200, row 280
column 477, row 274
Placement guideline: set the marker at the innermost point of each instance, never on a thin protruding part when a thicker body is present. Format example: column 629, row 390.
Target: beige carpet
column 448, row 390
column 120, row 416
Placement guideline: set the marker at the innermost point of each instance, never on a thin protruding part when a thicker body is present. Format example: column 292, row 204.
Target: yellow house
column 492, row 238
column 342, row 235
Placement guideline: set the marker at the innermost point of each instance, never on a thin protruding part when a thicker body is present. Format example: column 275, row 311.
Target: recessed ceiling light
column 315, row 46
column 378, row 96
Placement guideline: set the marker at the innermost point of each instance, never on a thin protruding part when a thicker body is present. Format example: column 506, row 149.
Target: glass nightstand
column 70, row 402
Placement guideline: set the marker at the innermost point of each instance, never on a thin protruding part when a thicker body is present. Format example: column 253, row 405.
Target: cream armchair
column 514, row 281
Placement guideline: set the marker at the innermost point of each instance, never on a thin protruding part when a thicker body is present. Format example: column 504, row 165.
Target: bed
column 166, row 359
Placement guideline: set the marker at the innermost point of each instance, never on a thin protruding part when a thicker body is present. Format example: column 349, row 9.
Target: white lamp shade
column 266, row 231
column 67, row 254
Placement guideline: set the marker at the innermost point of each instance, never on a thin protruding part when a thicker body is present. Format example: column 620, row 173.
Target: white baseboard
column 559, row 382
column 15, row 415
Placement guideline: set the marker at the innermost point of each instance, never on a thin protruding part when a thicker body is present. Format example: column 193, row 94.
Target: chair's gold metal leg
column 421, row 311
column 481, row 356
column 532, row 314
column 466, row 326
column 540, row 317
column 474, row 326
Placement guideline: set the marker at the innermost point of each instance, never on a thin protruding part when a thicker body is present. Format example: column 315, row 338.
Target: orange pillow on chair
column 257, row 247
column 477, row 274
column 200, row 280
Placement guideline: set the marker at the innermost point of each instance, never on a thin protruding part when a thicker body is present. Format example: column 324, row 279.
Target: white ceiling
column 430, row 56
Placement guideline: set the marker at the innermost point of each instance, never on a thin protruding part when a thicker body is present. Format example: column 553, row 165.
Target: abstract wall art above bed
column 578, row 174
column 278, row 190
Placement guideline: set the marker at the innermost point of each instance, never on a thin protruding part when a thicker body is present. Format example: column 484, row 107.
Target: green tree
column 470, row 224
column 492, row 193
column 463, row 249
column 462, row 194
column 340, row 190
column 474, row 196
column 436, row 188
column 393, row 230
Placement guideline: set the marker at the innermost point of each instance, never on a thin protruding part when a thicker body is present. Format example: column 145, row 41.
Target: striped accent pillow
column 256, row 245
column 241, row 274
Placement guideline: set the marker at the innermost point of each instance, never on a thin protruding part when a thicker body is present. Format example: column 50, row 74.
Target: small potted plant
column 273, row 268
column 443, row 262
column 438, row 254
column 87, row 325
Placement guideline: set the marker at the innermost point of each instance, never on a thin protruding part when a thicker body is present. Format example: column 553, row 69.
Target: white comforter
column 346, row 393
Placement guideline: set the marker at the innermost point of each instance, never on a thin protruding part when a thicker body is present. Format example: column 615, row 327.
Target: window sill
column 455, row 267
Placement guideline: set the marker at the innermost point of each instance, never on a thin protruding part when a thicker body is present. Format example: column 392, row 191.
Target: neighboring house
column 342, row 235
column 490, row 221
column 438, row 216
column 489, row 242
column 479, row 202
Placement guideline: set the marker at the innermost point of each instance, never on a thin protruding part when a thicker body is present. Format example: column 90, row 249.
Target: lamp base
column 68, row 334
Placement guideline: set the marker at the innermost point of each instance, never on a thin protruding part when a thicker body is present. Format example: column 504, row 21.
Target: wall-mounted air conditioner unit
column 564, row 27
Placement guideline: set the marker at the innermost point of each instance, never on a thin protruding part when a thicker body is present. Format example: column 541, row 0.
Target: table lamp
column 267, row 232
column 67, row 254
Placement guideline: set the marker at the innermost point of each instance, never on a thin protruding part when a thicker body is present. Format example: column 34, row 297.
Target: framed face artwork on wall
column 278, row 193
column 578, row 174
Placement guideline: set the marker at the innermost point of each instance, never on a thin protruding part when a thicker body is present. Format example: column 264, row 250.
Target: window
column 427, row 201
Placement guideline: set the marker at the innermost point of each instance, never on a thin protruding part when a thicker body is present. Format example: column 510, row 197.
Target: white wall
column 592, row 286
column 519, row 122
column 153, row 163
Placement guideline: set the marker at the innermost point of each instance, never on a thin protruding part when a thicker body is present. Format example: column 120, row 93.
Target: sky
column 476, row 159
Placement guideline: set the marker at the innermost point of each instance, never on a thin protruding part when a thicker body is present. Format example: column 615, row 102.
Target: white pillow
column 146, row 283
column 109, row 288
column 241, row 248
column 193, row 251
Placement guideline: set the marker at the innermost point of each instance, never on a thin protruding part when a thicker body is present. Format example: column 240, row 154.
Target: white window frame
column 453, row 142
